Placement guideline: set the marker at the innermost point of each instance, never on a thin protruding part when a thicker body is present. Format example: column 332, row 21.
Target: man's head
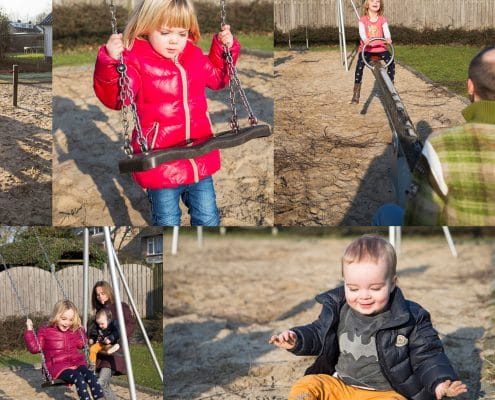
column 369, row 271
column 481, row 73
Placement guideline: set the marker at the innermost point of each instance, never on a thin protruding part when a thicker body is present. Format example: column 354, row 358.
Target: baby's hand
column 106, row 341
column 285, row 340
column 225, row 36
column 91, row 341
column 29, row 325
column 115, row 46
column 450, row 389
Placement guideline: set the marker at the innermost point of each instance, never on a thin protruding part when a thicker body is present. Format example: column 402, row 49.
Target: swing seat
column 144, row 161
column 54, row 382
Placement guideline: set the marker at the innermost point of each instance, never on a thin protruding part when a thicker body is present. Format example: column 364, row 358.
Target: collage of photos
column 247, row 199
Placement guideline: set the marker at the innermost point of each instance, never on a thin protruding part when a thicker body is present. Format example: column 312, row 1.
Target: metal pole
column 450, row 242
column 341, row 14
column 15, row 82
column 85, row 278
column 120, row 313
column 355, row 10
column 175, row 240
column 200, row 237
column 394, row 237
column 136, row 314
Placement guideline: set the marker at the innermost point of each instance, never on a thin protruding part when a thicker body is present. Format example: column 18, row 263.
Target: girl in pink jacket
column 372, row 24
column 61, row 341
column 168, row 75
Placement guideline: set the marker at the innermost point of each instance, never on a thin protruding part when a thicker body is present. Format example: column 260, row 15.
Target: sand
column 26, row 166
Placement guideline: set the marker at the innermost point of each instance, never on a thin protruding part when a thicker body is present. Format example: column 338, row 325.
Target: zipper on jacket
column 187, row 114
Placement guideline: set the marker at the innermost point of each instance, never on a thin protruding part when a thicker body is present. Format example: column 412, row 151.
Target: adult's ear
column 470, row 90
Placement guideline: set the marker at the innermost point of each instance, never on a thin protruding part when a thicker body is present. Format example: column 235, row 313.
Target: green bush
column 12, row 329
column 87, row 24
column 400, row 34
column 59, row 244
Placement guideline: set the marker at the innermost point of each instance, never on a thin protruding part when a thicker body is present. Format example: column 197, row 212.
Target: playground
column 224, row 301
column 333, row 159
column 88, row 188
column 32, row 291
column 25, row 176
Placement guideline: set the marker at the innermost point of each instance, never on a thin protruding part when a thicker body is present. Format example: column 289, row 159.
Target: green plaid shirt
column 454, row 180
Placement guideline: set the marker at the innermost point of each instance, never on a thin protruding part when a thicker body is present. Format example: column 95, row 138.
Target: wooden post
column 15, row 80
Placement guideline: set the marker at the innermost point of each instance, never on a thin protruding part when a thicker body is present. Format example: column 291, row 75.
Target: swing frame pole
column 342, row 40
column 136, row 314
column 120, row 313
column 85, row 278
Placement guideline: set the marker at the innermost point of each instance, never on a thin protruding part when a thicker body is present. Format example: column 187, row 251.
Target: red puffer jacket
column 61, row 349
column 171, row 102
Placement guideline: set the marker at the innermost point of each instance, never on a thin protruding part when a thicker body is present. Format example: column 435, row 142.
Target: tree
column 4, row 34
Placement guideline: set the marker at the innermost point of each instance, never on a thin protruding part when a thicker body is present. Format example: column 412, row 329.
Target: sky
column 25, row 10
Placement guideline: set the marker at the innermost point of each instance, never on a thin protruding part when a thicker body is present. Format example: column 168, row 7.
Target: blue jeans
column 389, row 214
column 199, row 198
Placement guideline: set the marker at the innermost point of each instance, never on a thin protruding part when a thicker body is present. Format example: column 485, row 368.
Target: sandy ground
column 88, row 188
column 222, row 304
column 332, row 159
column 26, row 384
column 26, row 163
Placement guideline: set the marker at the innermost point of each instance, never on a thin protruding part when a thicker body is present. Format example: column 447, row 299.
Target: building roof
column 47, row 21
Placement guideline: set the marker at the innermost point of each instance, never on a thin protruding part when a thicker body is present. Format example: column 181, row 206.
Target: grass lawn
column 87, row 54
column 145, row 373
column 446, row 65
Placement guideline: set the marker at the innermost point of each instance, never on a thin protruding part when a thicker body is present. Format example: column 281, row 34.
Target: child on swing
column 61, row 341
column 372, row 25
column 168, row 75
column 370, row 342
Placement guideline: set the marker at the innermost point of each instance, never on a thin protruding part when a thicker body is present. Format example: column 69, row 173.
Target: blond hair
column 107, row 290
column 366, row 7
column 150, row 15
column 371, row 248
column 59, row 308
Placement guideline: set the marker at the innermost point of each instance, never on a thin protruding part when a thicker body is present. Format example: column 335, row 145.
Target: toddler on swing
column 168, row 75
column 103, row 336
column 61, row 341
column 372, row 25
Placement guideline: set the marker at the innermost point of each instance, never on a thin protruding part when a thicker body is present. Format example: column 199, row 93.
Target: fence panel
column 417, row 14
column 39, row 291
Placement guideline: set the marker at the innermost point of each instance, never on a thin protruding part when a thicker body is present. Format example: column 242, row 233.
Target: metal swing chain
column 60, row 286
column 26, row 315
column 235, row 83
column 126, row 94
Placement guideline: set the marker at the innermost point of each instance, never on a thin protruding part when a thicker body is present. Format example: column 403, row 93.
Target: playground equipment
column 114, row 268
column 406, row 146
column 395, row 238
column 148, row 159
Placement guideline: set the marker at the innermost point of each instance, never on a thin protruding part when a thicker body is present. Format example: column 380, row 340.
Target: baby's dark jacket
column 112, row 332
column 409, row 350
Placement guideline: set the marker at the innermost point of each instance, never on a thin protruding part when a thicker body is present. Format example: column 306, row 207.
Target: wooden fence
column 39, row 291
column 417, row 14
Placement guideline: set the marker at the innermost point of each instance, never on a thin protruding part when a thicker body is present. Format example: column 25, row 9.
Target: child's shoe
column 356, row 93
column 112, row 349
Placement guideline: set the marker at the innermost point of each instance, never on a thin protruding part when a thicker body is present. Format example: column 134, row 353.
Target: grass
column 86, row 54
column 145, row 373
column 446, row 65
